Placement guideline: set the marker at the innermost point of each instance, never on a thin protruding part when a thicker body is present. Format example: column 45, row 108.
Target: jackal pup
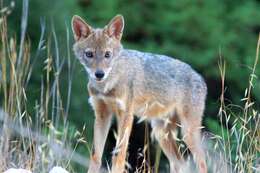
column 126, row 82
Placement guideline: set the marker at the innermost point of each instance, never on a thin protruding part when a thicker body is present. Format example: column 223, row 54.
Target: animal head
column 97, row 48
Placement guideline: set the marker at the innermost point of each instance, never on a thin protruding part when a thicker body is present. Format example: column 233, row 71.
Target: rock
column 12, row 170
column 58, row 169
column 55, row 169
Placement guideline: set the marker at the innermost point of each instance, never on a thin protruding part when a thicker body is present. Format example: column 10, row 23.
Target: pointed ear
column 80, row 28
column 115, row 27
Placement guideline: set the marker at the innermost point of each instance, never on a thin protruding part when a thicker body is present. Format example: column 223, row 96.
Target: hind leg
column 163, row 132
column 190, row 119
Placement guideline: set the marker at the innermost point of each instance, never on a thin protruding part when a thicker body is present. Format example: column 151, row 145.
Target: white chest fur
column 109, row 101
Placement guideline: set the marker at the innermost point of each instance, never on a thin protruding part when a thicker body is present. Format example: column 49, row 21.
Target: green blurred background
column 195, row 31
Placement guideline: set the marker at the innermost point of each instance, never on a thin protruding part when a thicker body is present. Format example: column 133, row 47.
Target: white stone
column 12, row 170
column 58, row 169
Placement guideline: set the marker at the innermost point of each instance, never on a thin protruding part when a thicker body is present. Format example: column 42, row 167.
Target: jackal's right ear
column 80, row 28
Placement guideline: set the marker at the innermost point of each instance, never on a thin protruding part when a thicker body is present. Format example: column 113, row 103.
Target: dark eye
column 89, row 54
column 108, row 54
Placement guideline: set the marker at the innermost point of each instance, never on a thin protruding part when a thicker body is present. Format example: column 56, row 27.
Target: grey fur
column 167, row 79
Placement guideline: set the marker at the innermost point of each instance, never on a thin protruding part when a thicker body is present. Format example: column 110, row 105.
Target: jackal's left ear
column 80, row 28
column 115, row 27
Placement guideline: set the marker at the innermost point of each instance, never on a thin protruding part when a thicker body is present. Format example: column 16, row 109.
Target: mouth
column 99, row 80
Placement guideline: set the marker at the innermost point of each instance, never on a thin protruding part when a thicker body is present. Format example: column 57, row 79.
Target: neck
column 107, row 85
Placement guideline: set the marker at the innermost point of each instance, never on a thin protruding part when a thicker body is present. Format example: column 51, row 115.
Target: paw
column 94, row 169
column 202, row 166
column 118, row 170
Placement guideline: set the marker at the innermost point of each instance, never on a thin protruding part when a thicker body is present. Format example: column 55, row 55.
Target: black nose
column 99, row 74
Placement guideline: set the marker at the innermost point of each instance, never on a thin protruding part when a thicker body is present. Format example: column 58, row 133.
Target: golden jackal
column 126, row 82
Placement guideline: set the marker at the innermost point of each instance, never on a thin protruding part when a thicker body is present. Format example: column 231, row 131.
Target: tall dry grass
column 40, row 139
column 241, row 145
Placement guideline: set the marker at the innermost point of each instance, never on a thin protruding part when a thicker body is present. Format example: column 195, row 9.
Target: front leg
column 125, row 122
column 101, row 128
